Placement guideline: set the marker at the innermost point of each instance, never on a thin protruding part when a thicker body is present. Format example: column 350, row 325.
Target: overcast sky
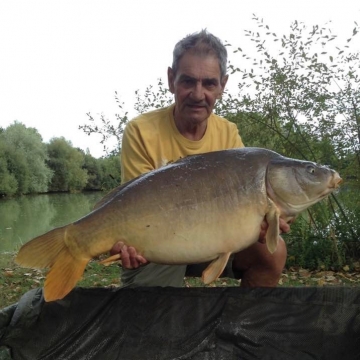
column 62, row 59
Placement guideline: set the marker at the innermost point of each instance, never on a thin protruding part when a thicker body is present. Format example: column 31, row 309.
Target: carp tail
column 41, row 252
column 50, row 251
column 63, row 275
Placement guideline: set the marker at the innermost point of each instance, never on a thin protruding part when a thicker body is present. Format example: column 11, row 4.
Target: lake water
column 25, row 217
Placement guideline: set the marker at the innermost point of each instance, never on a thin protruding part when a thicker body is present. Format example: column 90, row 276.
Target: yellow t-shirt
column 152, row 140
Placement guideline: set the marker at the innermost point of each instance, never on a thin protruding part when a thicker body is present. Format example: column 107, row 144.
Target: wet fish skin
column 198, row 209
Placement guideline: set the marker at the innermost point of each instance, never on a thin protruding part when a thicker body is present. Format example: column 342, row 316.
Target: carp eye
column 310, row 169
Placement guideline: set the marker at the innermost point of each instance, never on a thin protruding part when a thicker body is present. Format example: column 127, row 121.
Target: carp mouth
column 336, row 181
column 334, row 184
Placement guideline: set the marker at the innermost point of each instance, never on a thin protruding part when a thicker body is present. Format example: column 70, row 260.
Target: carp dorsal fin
column 216, row 267
column 272, row 234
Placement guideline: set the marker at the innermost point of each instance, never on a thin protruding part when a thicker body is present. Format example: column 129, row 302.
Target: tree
column 94, row 172
column 303, row 88
column 111, row 172
column 67, row 164
column 305, row 93
column 8, row 182
column 25, row 156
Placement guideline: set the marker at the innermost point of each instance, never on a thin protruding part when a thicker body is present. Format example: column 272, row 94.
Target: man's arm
column 135, row 160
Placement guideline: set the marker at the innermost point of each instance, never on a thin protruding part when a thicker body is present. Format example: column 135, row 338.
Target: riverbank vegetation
column 30, row 166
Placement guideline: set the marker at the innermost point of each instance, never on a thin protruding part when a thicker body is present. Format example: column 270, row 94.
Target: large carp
column 200, row 208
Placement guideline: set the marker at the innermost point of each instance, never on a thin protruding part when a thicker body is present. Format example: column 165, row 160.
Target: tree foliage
column 67, row 163
column 111, row 171
column 8, row 182
column 304, row 93
column 23, row 161
column 30, row 166
column 103, row 173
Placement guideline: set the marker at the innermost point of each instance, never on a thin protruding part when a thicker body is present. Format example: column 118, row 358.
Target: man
column 197, row 79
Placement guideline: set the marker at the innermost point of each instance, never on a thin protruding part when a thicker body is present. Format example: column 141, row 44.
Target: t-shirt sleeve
column 134, row 157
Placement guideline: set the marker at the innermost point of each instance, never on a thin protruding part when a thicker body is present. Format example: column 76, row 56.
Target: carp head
column 294, row 185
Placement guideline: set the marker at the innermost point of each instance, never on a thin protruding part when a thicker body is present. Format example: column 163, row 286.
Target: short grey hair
column 201, row 43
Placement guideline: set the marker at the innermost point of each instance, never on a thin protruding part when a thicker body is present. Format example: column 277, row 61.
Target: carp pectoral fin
column 110, row 260
column 216, row 267
column 63, row 275
column 272, row 234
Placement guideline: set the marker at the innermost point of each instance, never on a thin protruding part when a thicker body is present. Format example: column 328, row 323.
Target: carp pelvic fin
column 216, row 267
column 110, row 260
column 272, row 234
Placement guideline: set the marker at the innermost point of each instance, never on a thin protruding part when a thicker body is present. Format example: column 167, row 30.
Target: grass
column 16, row 281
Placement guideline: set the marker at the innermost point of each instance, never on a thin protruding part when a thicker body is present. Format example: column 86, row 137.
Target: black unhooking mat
column 182, row 323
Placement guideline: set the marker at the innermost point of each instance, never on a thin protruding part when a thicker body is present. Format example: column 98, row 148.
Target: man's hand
column 284, row 227
column 129, row 257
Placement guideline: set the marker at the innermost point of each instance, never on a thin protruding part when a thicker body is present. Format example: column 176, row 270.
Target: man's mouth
column 196, row 106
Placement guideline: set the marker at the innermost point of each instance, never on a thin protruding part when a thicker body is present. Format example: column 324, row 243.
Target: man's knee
column 276, row 261
column 256, row 266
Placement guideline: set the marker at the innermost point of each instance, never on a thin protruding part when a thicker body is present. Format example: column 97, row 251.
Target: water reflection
column 23, row 218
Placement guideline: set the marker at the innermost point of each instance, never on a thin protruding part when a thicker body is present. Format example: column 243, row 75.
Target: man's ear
column 171, row 79
column 223, row 84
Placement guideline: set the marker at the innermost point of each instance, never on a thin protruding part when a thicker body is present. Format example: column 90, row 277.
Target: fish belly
column 195, row 238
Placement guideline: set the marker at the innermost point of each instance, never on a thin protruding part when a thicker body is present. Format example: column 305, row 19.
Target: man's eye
column 210, row 84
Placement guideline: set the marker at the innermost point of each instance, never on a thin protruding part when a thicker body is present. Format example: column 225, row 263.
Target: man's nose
column 197, row 93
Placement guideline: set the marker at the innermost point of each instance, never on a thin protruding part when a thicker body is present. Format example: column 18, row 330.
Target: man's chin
column 198, row 112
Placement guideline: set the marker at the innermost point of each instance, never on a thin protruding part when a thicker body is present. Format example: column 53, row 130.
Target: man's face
column 196, row 85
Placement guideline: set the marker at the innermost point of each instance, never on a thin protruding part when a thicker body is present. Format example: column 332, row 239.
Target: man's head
column 197, row 77
column 202, row 44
